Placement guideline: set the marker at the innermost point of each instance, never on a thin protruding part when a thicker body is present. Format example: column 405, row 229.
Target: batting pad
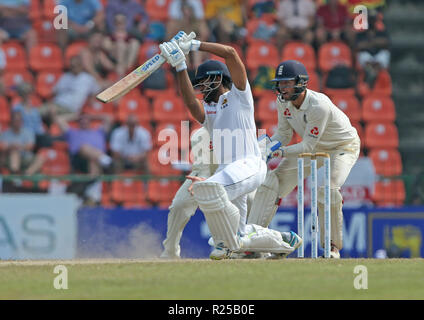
column 221, row 215
column 260, row 239
column 266, row 200
column 336, row 213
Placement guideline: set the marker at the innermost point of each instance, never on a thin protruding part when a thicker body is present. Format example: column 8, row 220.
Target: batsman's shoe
column 334, row 253
column 295, row 241
column 220, row 252
column 169, row 255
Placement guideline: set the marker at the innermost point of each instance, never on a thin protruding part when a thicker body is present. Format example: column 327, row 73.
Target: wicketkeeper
column 324, row 128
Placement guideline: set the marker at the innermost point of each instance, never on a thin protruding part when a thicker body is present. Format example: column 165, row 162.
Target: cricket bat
column 134, row 78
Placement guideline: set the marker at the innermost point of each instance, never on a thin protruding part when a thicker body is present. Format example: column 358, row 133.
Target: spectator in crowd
column 71, row 92
column 15, row 22
column 3, row 63
column 226, row 19
column 130, row 145
column 296, row 18
column 333, row 23
column 96, row 61
column 17, row 144
column 87, row 146
column 31, row 116
column 137, row 20
column 83, row 17
column 188, row 15
column 122, row 47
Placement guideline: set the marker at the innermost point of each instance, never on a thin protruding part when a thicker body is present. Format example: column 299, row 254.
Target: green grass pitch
column 205, row 279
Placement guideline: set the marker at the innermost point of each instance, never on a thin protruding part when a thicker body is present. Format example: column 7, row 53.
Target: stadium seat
column 133, row 104
column 381, row 135
column 127, row 190
column 97, row 108
column 48, row 9
column 45, row 30
column 45, row 82
column 269, row 126
column 378, row 108
column 147, row 50
column 106, row 201
column 236, row 47
column 57, row 162
column 45, row 57
column 168, row 107
column 266, row 109
column 16, row 57
column 162, row 190
column 314, row 82
column 157, row 10
column 387, row 162
column 11, row 79
column 35, row 11
column 160, row 163
column 382, row 85
column 4, row 113
column 303, row 52
column 349, row 105
column 261, row 54
column 252, row 26
column 334, row 53
column 389, row 193
column 170, row 131
column 73, row 49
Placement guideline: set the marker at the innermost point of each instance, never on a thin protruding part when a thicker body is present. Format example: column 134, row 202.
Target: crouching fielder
column 324, row 128
column 227, row 113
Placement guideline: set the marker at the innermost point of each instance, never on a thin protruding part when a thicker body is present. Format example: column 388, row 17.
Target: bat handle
column 192, row 35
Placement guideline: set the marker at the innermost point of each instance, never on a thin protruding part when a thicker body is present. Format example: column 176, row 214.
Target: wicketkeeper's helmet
column 291, row 70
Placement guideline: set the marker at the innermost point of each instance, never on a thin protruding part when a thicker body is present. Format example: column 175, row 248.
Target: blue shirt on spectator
column 83, row 11
column 31, row 118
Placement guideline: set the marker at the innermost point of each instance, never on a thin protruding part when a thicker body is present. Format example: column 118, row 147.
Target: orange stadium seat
column 160, row 163
column 15, row 55
column 381, row 135
column 73, row 49
column 235, row 46
column 157, row 10
column 378, row 108
column 261, row 54
column 96, row 107
column 303, row 52
column 11, row 79
column 4, row 113
column 134, row 104
column 169, row 107
column 162, row 190
column 387, row 162
column 57, row 162
column 35, row 10
column 127, row 190
column 349, row 105
column 170, row 131
column 334, row 53
column 45, row 30
column 48, row 8
column 382, row 85
column 266, row 109
column 45, row 82
column 106, row 201
column 314, row 82
column 45, row 56
column 389, row 193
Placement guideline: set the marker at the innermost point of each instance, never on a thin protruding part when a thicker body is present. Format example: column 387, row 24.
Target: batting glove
column 173, row 55
column 185, row 43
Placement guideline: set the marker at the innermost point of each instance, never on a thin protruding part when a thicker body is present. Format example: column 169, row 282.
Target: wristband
column 180, row 67
column 195, row 45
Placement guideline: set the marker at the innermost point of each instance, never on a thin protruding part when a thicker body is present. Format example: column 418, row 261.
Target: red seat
column 266, row 109
column 261, row 54
column 16, row 57
column 303, row 52
column 74, row 49
column 134, row 104
column 236, row 47
column 381, row 135
column 169, row 107
column 160, row 162
column 162, row 190
column 11, row 79
column 35, row 10
column 4, row 113
column 127, row 190
column 56, row 162
column 167, row 132
column 96, row 108
column 382, row 85
column 157, row 10
column 46, row 57
column 45, row 82
column 387, row 162
column 378, row 108
column 147, row 50
column 334, row 53
column 48, row 9
column 389, row 193
column 349, row 105
column 46, row 32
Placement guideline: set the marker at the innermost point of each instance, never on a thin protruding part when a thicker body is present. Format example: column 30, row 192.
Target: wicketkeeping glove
column 274, row 149
column 173, row 55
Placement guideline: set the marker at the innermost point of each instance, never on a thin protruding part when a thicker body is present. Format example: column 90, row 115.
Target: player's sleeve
column 245, row 96
column 317, row 117
column 284, row 131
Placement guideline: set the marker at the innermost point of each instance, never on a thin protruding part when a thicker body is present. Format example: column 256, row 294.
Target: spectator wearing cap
column 130, row 145
column 17, row 145
column 296, row 18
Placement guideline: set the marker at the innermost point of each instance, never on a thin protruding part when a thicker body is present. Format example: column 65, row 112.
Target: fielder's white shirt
column 323, row 126
column 231, row 125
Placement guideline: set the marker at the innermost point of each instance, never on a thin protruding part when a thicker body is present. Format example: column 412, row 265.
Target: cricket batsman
column 227, row 113
column 324, row 128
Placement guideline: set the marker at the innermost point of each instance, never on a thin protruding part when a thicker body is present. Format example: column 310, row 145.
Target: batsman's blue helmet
column 210, row 68
column 291, row 70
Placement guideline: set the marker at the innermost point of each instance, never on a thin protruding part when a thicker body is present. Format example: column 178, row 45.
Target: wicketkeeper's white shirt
column 323, row 126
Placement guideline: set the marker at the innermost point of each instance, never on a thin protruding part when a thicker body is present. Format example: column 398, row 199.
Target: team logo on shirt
column 314, row 132
column 224, row 103
column 287, row 113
